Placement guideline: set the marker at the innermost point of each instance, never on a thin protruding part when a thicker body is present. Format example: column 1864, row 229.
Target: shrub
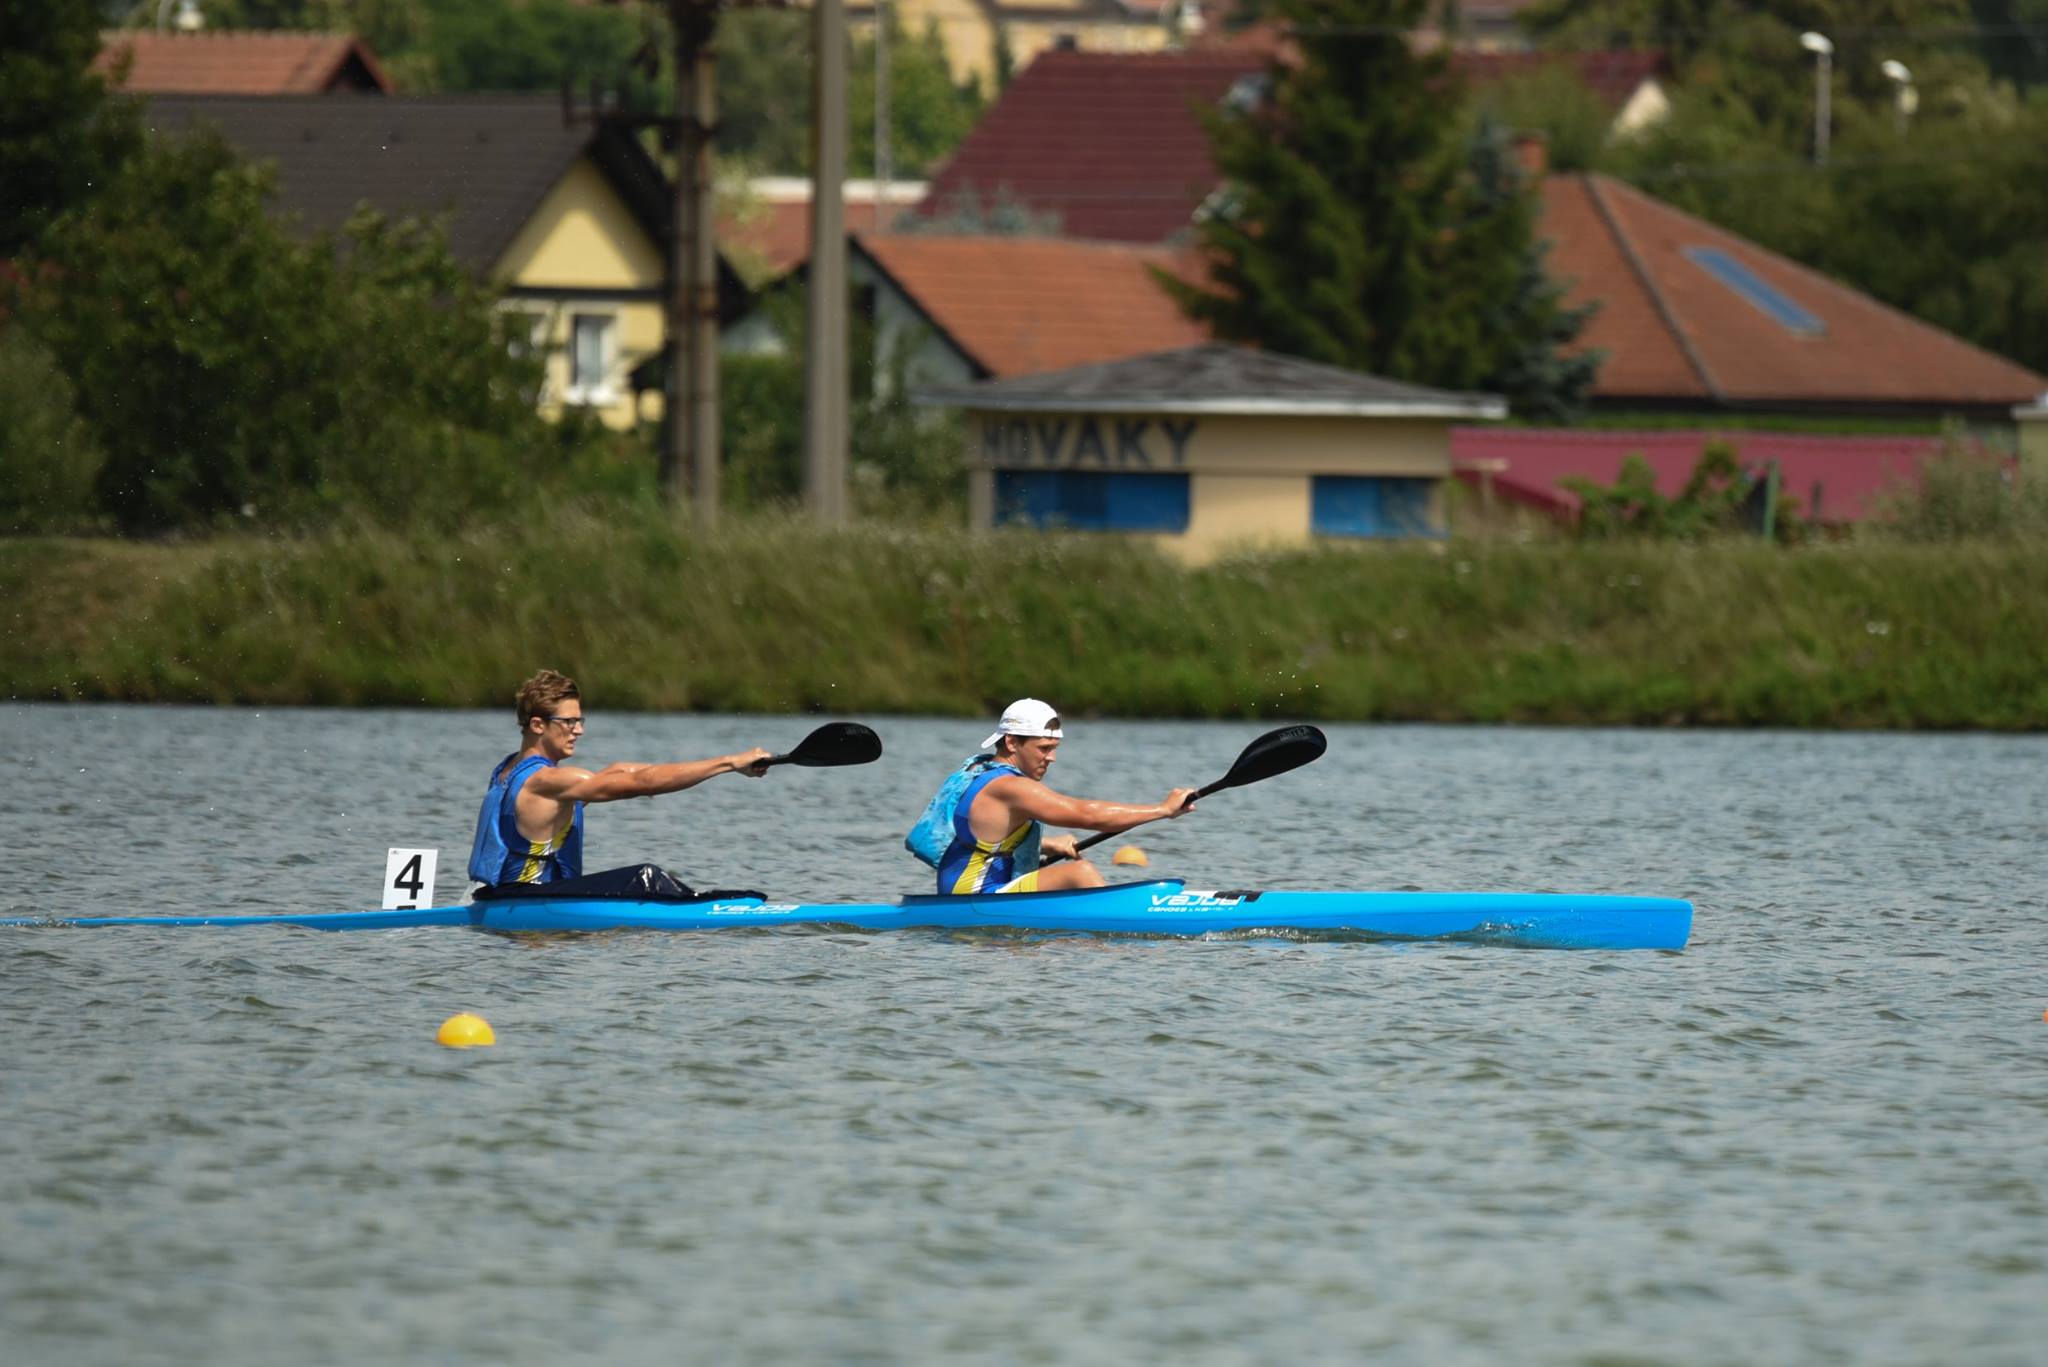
column 233, row 369
column 1714, row 499
column 47, row 457
column 1966, row 493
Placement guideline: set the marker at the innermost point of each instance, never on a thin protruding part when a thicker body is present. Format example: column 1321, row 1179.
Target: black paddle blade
column 835, row 743
column 1273, row 753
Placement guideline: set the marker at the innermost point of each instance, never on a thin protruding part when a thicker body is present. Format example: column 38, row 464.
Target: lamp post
column 1824, row 55
column 1905, row 99
column 189, row 19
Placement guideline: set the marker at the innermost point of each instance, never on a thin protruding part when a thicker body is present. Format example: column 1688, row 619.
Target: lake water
column 1820, row 1134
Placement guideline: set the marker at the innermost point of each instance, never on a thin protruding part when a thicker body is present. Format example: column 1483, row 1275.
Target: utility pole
column 825, row 371
column 689, row 347
column 883, row 158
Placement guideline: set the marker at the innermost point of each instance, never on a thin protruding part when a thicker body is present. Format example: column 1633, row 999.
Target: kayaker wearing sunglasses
column 530, row 828
column 984, row 831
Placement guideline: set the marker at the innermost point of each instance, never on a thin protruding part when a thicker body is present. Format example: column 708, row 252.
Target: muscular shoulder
column 554, row 778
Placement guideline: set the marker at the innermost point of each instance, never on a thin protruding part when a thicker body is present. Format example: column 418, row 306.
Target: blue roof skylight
column 1779, row 306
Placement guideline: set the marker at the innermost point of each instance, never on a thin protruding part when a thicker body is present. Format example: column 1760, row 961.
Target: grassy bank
column 772, row 616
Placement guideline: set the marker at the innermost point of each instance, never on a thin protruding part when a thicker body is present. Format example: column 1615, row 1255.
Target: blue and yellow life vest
column 971, row 864
column 501, row 854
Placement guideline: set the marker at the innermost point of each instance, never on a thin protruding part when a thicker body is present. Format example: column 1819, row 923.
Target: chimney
column 1532, row 150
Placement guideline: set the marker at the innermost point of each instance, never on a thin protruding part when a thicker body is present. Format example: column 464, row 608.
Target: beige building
column 1210, row 448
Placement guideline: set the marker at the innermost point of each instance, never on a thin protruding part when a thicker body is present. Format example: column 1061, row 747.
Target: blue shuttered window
column 1367, row 505
column 1092, row 501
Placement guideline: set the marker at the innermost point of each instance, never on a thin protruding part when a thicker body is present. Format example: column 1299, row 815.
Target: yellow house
column 567, row 218
column 1212, row 447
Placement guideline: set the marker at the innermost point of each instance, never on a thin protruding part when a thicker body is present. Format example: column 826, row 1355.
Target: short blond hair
column 542, row 694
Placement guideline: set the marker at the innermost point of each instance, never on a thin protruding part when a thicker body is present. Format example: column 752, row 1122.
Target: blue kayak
column 1163, row 907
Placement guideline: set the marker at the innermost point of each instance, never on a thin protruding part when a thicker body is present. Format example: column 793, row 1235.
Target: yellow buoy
column 1130, row 854
column 464, row 1031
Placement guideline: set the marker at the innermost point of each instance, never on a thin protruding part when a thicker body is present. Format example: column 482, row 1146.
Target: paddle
column 1271, row 754
column 833, row 744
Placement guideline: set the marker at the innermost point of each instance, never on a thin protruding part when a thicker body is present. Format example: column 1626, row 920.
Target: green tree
column 227, row 367
column 904, row 462
column 929, row 114
column 764, row 96
column 1529, row 325
column 536, row 45
column 48, row 461
column 1938, row 215
column 62, row 136
column 764, row 89
column 1355, row 230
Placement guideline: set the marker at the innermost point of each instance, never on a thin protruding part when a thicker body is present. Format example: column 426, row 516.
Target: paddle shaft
column 1270, row 755
column 1096, row 839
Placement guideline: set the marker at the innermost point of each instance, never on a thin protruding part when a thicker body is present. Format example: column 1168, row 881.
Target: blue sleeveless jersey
column 974, row 865
column 500, row 854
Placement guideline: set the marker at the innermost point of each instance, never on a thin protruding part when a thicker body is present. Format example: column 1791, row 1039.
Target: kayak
column 1159, row 907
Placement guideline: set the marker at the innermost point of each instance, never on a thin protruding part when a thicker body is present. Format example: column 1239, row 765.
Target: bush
column 1714, row 500
column 1967, row 493
column 47, row 457
column 236, row 370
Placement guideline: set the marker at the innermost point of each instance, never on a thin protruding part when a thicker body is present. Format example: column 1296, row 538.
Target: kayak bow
column 1161, row 907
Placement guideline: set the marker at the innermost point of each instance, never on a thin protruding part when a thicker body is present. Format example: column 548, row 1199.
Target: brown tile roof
column 241, row 63
column 1019, row 305
column 1675, row 330
column 1111, row 142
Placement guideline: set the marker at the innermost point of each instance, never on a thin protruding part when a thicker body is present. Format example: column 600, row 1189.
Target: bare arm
column 1040, row 803
column 615, row 782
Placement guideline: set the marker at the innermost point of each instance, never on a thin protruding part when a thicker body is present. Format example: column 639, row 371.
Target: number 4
column 409, row 878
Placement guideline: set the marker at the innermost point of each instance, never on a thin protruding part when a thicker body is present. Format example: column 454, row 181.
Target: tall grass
column 776, row 615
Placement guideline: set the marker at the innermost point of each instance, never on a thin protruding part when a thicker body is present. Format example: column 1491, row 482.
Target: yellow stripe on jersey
column 976, row 869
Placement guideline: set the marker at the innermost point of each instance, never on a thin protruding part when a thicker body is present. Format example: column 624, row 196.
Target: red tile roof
column 1110, row 142
column 227, row 63
column 1113, row 143
column 1846, row 478
column 1673, row 331
column 771, row 236
column 1019, row 305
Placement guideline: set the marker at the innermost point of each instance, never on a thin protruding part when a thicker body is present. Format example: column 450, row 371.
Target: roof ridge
column 1669, row 316
column 119, row 35
column 1824, row 280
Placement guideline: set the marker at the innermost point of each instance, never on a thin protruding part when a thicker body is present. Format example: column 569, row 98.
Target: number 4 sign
column 409, row 878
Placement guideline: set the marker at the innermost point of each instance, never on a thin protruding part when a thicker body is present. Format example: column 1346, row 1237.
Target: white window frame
column 604, row 389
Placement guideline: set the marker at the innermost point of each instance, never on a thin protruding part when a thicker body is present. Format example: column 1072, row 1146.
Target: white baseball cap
column 1025, row 717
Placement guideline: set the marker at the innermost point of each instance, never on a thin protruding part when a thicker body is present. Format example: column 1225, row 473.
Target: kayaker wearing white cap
column 983, row 832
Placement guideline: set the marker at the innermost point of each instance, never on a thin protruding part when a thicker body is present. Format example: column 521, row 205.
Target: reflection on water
column 1815, row 1135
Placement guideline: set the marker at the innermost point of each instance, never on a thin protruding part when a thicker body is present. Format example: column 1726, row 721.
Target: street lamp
column 1824, row 55
column 1906, row 99
column 189, row 19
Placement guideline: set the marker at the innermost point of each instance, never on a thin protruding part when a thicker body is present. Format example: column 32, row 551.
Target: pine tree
column 1356, row 230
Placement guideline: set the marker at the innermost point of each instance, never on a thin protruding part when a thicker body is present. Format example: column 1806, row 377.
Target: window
column 592, row 354
column 1780, row 307
column 1366, row 505
column 1091, row 501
